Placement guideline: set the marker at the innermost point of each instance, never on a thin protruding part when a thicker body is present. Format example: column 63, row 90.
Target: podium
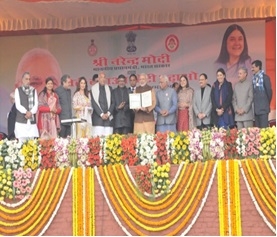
column 73, row 122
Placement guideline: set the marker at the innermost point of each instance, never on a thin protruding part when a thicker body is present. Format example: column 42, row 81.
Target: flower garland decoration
column 83, row 202
column 22, row 183
column 50, row 205
column 179, row 147
column 31, row 152
column 113, row 149
column 78, row 228
column 129, row 155
column 93, row 156
column 216, row 143
column 162, row 154
column 47, row 152
column 203, row 201
column 248, row 179
column 268, row 142
column 41, row 208
column 195, row 145
column 21, row 218
column 230, row 149
column 61, row 152
column 46, row 226
column 143, row 178
column 260, row 189
column 229, row 198
column 5, row 183
column 185, row 210
column 146, row 148
column 222, row 207
column 82, row 150
column 108, row 202
column 160, row 178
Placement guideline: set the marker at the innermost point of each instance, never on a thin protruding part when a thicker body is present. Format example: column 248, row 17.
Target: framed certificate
column 134, row 100
column 138, row 100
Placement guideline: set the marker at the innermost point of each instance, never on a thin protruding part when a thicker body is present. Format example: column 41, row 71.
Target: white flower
column 7, row 159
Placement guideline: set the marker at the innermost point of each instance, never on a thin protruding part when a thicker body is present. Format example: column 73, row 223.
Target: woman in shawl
column 48, row 111
column 221, row 95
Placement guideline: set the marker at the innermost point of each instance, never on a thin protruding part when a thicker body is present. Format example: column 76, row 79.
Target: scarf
column 220, row 97
column 29, row 91
column 220, row 93
column 258, row 80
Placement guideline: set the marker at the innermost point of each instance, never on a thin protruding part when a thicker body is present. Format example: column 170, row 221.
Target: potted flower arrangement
column 143, row 178
column 160, row 178
column 268, row 142
column 179, row 146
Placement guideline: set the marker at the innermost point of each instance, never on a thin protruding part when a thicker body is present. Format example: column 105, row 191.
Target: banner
column 174, row 51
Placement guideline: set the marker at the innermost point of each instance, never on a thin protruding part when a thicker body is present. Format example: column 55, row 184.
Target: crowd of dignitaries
column 102, row 110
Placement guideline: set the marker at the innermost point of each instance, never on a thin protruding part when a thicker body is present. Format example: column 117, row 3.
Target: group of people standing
column 104, row 110
column 221, row 105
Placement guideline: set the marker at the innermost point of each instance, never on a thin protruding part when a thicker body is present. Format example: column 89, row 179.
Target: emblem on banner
column 172, row 43
column 92, row 49
column 131, row 38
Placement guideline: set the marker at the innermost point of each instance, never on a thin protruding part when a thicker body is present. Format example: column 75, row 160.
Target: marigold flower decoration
column 160, row 178
column 143, row 178
column 6, row 190
column 161, row 153
column 94, row 146
column 129, row 155
column 268, row 142
column 113, row 149
column 179, row 147
column 47, row 153
column 22, row 183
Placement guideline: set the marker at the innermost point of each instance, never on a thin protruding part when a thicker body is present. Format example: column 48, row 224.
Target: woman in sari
column 185, row 115
column 82, row 107
column 48, row 111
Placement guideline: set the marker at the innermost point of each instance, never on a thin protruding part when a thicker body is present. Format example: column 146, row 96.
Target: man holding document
column 143, row 102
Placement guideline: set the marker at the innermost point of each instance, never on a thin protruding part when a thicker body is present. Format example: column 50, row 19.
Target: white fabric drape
column 16, row 15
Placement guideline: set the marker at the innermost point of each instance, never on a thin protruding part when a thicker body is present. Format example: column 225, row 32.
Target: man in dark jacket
column 64, row 93
column 122, row 112
column 262, row 94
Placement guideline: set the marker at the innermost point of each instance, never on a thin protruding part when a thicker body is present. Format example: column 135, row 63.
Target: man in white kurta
column 26, row 103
